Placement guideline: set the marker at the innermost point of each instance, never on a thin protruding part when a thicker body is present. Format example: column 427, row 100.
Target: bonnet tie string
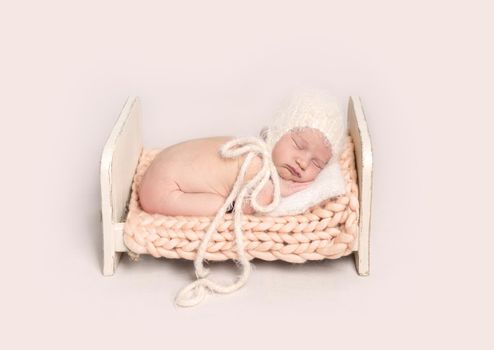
column 195, row 292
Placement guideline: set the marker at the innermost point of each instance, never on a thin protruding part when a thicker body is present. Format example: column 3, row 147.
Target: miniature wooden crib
column 334, row 228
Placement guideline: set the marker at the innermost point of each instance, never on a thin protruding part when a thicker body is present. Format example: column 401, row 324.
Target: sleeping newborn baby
column 191, row 178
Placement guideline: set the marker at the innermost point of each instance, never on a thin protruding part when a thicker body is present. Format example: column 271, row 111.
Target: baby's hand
column 288, row 187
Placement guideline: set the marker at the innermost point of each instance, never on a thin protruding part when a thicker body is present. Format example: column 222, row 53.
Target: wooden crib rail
column 118, row 165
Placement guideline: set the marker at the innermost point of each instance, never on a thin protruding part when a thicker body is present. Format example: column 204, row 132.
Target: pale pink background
column 424, row 71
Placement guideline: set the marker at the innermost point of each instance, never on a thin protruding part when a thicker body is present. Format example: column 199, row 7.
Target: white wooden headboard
column 118, row 165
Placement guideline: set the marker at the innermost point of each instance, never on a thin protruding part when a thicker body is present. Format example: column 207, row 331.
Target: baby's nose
column 301, row 163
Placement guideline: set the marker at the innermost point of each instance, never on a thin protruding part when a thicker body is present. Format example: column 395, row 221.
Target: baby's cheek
column 313, row 175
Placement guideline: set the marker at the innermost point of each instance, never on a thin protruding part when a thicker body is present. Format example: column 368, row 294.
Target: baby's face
column 304, row 151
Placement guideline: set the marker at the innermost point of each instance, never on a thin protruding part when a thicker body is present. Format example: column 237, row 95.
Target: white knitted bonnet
column 312, row 108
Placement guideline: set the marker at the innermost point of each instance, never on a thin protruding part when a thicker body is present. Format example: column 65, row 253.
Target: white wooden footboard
column 363, row 153
column 118, row 165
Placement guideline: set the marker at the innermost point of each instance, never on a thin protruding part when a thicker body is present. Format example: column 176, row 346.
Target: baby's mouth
column 293, row 171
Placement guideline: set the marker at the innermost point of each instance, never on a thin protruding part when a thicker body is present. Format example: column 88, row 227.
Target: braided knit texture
column 326, row 231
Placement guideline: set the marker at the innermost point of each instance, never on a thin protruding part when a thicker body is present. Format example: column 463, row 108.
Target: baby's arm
column 264, row 197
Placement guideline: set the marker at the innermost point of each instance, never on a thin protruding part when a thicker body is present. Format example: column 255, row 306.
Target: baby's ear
column 264, row 133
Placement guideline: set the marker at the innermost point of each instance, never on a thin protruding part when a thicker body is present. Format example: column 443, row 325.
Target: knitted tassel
column 195, row 292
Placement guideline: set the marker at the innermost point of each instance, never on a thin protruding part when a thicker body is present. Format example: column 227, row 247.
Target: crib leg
column 110, row 256
column 112, row 250
column 362, row 254
column 111, row 262
column 362, row 262
column 113, row 247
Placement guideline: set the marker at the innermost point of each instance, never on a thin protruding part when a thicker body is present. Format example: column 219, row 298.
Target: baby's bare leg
column 177, row 203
